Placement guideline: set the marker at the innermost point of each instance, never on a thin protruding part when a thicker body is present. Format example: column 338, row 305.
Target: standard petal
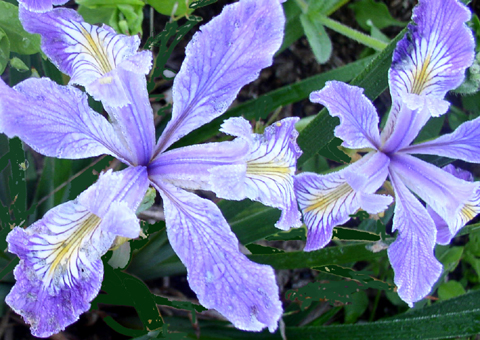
column 56, row 121
column 190, row 167
column 411, row 255
column 60, row 268
column 134, row 121
column 414, row 113
column 327, row 200
column 90, row 55
column 358, row 118
column 431, row 59
column 228, row 53
column 222, row 277
column 463, row 143
column 444, row 235
column 455, row 200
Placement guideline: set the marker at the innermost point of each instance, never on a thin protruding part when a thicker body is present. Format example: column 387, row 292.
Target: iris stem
column 351, row 33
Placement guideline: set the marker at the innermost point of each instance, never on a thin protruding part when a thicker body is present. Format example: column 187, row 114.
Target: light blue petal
column 455, row 200
column 56, row 121
column 327, row 200
column 133, row 122
column 358, row 118
column 60, row 269
column 431, row 59
column 228, row 53
column 463, row 143
column 411, row 255
column 222, row 277
column 89, row 54
column 190, row 167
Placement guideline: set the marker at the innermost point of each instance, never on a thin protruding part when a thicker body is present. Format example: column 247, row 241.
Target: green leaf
column 456, row 117
column 330, row 255
column 201, row 3
column 96, row 15
column 376, row 12
column 147, row 201
column 20, row 41
column 165, row 49
column 431, row 129
column 258, row 249
column 292, row 234
column 453, row 318
column 18, row 64
column 473, row 245
column 128, row 19
column 4, row 50
column 317, row 37
column 333, row 152
column 348, row 234
column 293, row 26
column 450, row 289
column 363, row 277
column 358, row 306
column 124, row 289
column 325, row 6
column 450, row 257
column 166, row 7
column 125, row 16
column 374, row 79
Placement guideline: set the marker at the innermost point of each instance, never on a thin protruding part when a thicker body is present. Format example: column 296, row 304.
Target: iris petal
column 327, row 200
column 89, row 54
column 358, row 118
column 222, row 277
column 227, row 53
column 431, row 59
column 56, row 121
column 463, row 143
column 411, row 255
column 455, row 200
column 60, row 268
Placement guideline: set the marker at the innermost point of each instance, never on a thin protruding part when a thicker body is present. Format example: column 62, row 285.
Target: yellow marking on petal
column 65, row 250
column 268, row 168
column 421, row 76
column 328, row 198
column 98, row 52
column 105, row 80
column 468, row 212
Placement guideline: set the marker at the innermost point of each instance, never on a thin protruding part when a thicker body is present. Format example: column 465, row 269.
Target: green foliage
column 125, row 16
column 20, row 41
column 450, row 290
column 317, row 37
column 375, row 12
column 172, row 7
column 4, row 50
column 340, row 291
column 171, row 30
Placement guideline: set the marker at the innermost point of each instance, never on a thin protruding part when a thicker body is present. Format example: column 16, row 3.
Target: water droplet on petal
column 218, row 270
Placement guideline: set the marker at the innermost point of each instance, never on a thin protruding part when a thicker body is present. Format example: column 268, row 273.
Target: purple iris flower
column 60, row 271
column 429, row 61
column 41, row 6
